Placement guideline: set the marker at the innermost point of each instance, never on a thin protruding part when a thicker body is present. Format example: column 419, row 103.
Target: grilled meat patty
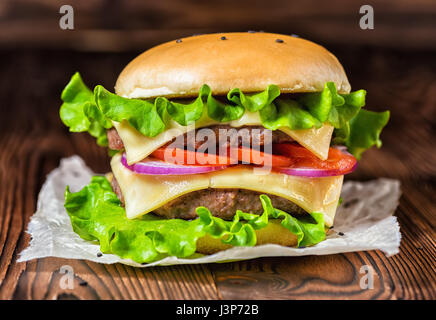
column 114, row 139
column 222, row 203
column 252, row 135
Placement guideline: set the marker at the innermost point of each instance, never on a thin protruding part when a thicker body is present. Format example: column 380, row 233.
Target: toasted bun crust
column 248, row 61
column 273, row 233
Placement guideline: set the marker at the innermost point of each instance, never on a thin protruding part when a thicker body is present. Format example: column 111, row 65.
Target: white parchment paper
column 365, row 218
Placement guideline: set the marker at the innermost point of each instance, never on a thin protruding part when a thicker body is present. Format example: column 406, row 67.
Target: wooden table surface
column 33, row 140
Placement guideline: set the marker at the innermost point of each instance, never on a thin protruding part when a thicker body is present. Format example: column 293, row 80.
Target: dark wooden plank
column 43, row 280
column 129, row 25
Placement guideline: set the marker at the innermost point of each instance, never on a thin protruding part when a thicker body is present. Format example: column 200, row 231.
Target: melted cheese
column 144, row 193
column 138, row 146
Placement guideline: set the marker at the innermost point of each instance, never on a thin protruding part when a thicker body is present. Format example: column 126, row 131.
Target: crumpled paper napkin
column 364, row 221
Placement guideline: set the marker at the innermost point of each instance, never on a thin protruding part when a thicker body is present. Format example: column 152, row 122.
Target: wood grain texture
column 126, row 25
column 33, row 140
column 99, row 281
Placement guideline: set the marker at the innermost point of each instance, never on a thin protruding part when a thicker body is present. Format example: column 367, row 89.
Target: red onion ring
column 150, row 166
column 315, row 173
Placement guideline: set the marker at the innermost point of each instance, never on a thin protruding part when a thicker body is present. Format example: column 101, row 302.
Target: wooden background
column 395, row 63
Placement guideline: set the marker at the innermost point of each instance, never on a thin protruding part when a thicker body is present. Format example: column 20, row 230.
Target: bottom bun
column 273, row 233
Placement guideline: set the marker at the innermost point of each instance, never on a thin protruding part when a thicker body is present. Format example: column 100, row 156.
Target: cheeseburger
column 216, row 141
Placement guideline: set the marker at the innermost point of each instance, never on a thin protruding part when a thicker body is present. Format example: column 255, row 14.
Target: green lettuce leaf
column 321, row 104
column 97, row 215
column 144, row 116
column 185, row 114
column 365, row 129
column 80, row 113
column 84, row 111
column 254, row 102
column 287, row 113
column 355, row 128
column 218, row 111
column 353, row 102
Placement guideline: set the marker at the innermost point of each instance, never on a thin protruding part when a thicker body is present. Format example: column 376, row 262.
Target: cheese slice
column 138, row 146
column 315, row 140
column 145, row 193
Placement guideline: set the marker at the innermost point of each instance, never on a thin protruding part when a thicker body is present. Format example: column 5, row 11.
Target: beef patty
column 222, row 203
column 253, row 135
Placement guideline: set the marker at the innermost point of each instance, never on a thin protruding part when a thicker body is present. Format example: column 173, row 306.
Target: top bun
column 224, row 61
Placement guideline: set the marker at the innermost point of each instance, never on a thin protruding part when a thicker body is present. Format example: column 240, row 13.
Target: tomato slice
column 303, row 158
column 247, row 155
column 234, row 156
column 180, row 156
column 285, row 155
